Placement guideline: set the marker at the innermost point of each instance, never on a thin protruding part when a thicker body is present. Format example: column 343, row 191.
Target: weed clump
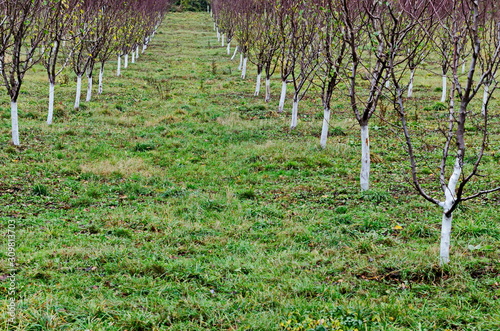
column 40, row 190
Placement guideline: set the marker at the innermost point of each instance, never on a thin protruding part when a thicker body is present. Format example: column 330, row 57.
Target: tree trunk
column 15, row 122
column 295, row 111
column 229, row 48
column 119, row 66
column 410, row 85
column 218, row 35
column 133, row 56
column 78, row 91
column 125, row 62
column 257, row 85
column 50, row 114
column 444, row 250
column 486, row 96
column 223, row 40
column 449, row 192
column 244, row 68
column 364, row 178
column 240, row 67
column 281, row 105
column 137, row 52
column 443, row 95
column 326, row 125
column 89, row 87
column 235, row 52
column 268, row 89
column 101, row 75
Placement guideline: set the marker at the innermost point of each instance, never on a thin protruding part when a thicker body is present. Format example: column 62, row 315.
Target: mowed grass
column 178, row 201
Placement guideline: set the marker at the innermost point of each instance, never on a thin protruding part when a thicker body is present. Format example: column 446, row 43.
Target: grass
column 178, row 201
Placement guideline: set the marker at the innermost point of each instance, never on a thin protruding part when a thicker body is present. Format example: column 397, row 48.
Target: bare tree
column 333, row 50
column 26, row 25
column 362, row 28
column 60, row 17
column 469, row 24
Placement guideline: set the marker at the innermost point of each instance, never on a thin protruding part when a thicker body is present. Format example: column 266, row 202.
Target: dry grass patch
column 122, row 167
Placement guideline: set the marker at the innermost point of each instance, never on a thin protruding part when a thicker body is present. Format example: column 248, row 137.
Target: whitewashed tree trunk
column 223, row 40
column 324, row 129
column 229, row 48
column 486, row 95
column 463, row 66
column 410, row 85
column 78, row 91
column 15, row 122
column 133, row 57
column 257, row 85
column 364, row 177
column 281, row 105
column 443, row 95
column 50, row 114
column 137, row 52
column 244, row 68
column 144, row 46
column 119, row 66
column 218, row 35
column 268, row 90
column 89, row 88
column 241, row 62
column 235, row 52
column 101, row 75
column 125, row 61
column 295, row 112
column 444, row 250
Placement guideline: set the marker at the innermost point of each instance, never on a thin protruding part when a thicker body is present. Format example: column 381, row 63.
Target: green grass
column 177, row 201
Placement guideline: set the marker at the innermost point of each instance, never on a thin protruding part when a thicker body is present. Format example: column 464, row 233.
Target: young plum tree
column 27, row 25
column 469, row 24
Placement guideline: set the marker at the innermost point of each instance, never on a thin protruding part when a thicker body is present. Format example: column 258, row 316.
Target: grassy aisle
column 176, row 201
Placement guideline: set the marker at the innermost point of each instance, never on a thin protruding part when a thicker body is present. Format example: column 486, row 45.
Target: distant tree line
column 190, row 5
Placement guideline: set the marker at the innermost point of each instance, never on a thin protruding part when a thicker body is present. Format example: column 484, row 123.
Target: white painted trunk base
column 50, row 115
column 240, row 66
column 281, row 105
column 364, row 178
column 222, row 37
column 486, row 95
column 410, row 85
column 444, row 247
column 244, row 68
column 78, row 91
column 235, row 52
column 137, row 53
column 268, row 90
column 443, row 95
column 125, row 61
column 444, row 250
column 101, row 75
column 119, row 66
column 133, row 57
column 295, row 112
column 324, row 129
column 89, row 88
column 257, row 85
column 15, row 122
column 229, row 48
